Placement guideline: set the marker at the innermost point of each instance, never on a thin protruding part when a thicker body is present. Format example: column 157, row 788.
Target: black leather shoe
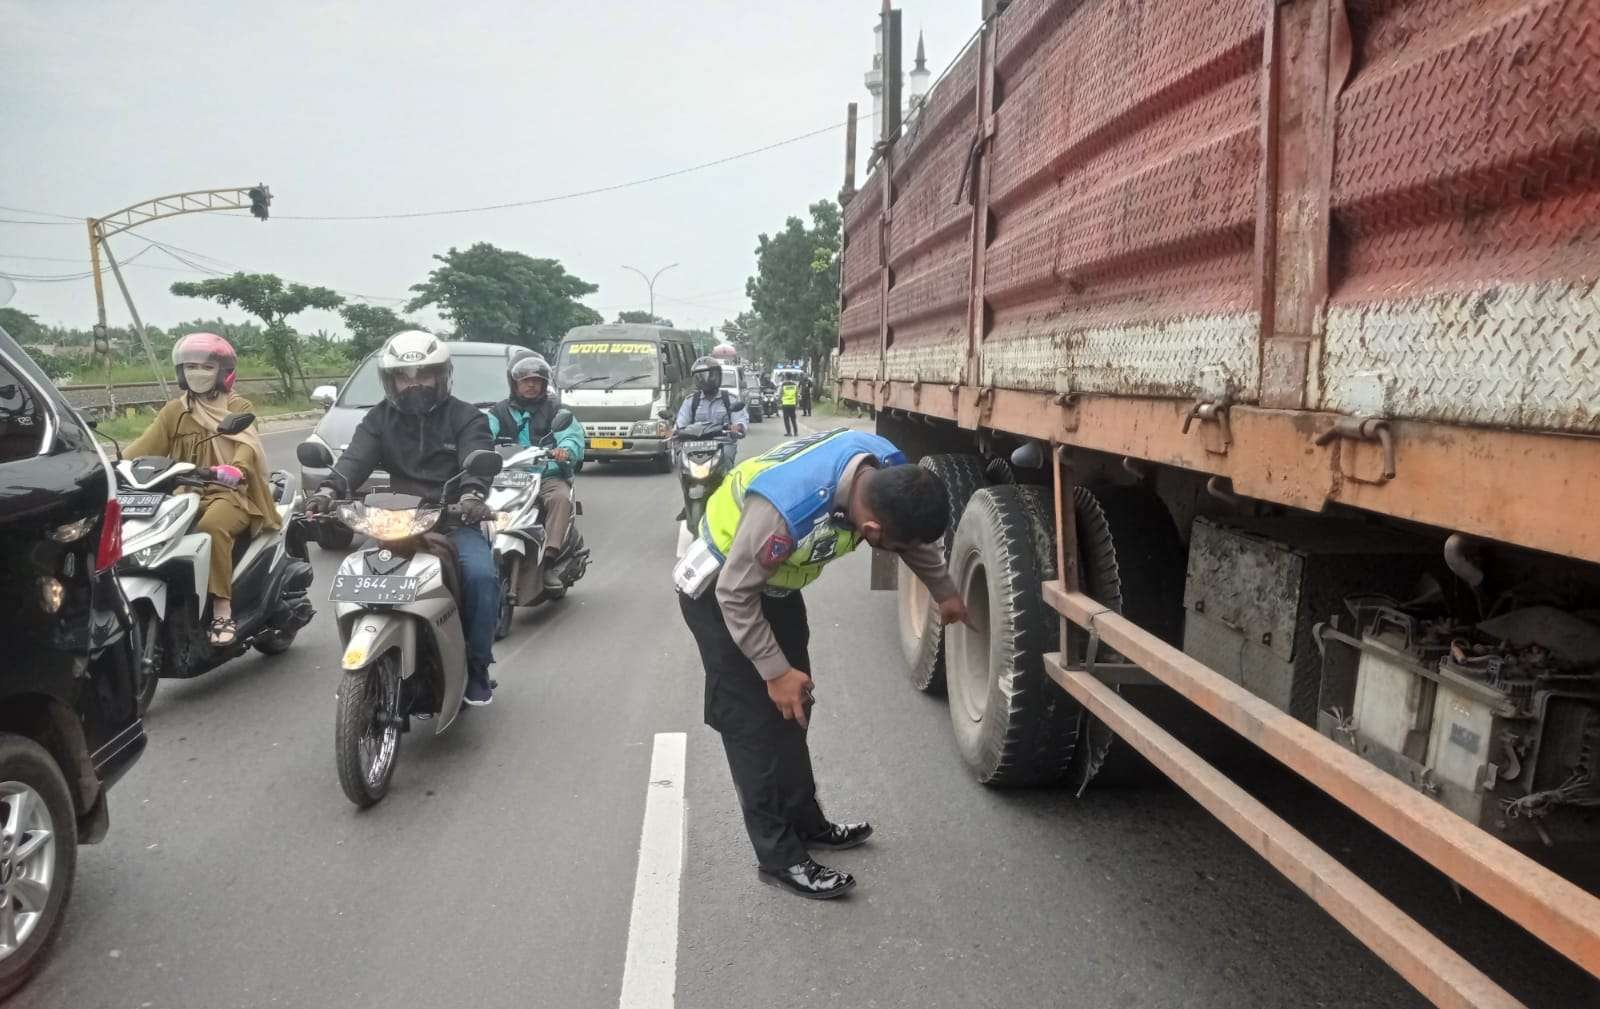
column 840, row 836
column 809, row 880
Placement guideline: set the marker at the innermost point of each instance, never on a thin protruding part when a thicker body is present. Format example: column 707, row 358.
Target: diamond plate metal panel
column 859, row 363
column 1466, row 213
column 937, row 361
column 1124, row 183
column 1515, row 355
column 1158, row 358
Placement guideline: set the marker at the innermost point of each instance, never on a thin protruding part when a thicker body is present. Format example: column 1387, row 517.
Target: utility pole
column 650, row 281
column 254, row 198
column 849, row 189
column 891, row 73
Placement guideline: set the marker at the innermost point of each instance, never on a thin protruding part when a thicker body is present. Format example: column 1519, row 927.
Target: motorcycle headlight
column 141, row 548
column 699, row 470
column 389, row 524
column 146, row 557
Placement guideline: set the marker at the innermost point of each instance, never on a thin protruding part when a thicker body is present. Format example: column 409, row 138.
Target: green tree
column 741, row 332
column 795, row 292
column 503, row 296
column 269, row 299
column 644, row 318
column 24, row 328
column 370, row 325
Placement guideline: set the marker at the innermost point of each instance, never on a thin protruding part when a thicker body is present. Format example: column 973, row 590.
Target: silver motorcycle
column 397, row 602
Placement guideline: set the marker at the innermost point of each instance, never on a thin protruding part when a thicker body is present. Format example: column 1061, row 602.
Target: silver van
column 478, row 376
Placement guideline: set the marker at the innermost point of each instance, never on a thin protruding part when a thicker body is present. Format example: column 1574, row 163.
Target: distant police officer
column 770, row 529
column 788, row 399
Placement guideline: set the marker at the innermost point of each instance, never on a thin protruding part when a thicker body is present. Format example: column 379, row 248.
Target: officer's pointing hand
column 791, row 692
column 953, row 610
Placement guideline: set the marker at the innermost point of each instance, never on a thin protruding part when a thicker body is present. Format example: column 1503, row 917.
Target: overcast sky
column 393, row 106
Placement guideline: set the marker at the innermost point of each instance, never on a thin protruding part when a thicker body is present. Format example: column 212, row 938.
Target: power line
column 565, row 196
column 61, row 278
column 43, row 213
column 41, row 224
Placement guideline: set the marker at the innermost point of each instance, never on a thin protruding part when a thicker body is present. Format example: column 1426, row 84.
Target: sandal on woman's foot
column 223, row 632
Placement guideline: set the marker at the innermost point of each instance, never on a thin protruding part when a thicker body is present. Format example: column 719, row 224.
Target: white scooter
column 398, row 605
column 520, row 549
column 165, row 571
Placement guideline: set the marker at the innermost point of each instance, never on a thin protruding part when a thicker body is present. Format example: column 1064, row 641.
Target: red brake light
column 110, row 537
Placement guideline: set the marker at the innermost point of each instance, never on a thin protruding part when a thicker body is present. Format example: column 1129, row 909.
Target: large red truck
column 1257, row 343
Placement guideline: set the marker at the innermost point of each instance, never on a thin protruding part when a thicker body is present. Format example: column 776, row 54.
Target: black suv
column 69, row 720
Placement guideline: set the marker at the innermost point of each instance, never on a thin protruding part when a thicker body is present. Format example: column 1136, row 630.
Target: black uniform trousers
column 767, row 754
column 790, row 425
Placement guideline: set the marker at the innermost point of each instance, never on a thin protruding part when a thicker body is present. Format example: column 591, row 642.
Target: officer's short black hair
column 910, row 502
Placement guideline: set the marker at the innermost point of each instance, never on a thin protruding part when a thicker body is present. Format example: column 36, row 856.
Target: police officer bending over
column 770, row 529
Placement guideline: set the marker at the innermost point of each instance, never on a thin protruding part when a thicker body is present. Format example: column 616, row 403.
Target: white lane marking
column 650, row 974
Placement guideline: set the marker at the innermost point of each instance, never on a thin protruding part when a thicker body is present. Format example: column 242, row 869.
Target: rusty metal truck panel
column 1296, row 212
column 1361, row 207
column 1466, row 216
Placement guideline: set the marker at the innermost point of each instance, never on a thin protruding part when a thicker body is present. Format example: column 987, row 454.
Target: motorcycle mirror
column 314, row 454
column 663, row 415
column 484, row 464
column 561, row 421
column 233, row 423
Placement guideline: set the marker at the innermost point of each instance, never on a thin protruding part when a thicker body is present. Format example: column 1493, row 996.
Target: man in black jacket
column 422, row 436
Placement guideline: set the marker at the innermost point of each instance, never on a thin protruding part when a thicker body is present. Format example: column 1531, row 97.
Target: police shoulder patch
column 777, row 547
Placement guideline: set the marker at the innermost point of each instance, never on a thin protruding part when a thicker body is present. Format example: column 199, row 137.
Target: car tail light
column 110, row 537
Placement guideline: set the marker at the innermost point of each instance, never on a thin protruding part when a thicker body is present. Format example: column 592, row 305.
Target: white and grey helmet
column 414, row 353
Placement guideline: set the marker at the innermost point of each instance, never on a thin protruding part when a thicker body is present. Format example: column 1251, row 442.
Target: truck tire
column 1145, row 584
column 1013, row 725
column 921, row 634
column 44, row 856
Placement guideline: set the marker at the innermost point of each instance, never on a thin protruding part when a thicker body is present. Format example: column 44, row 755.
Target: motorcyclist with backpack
column 711, row 403
column 421, row 435
column 525, row 417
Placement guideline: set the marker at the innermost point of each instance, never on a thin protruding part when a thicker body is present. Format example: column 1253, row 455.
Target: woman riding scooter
column 237, row 502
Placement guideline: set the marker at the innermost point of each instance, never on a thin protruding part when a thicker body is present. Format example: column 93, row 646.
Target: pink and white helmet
column 205, row 348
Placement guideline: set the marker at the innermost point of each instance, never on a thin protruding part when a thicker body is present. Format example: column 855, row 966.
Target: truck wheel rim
column 970, row 646
column 27, row 863
column 914, row 600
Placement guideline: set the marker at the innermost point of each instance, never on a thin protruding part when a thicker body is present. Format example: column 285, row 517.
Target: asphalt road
column 500, row 871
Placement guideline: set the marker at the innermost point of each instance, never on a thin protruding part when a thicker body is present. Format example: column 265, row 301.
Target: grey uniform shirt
column 743, row 577
column 712, row 410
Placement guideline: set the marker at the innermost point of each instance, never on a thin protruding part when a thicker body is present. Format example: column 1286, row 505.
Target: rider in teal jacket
column 526, row 417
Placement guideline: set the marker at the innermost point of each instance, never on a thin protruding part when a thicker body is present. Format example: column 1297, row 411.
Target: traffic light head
column 260, row 197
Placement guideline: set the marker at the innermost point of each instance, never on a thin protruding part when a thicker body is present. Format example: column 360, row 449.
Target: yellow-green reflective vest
column 800, row 479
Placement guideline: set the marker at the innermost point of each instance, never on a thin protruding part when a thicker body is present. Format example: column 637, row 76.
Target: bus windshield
column 589, row 364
